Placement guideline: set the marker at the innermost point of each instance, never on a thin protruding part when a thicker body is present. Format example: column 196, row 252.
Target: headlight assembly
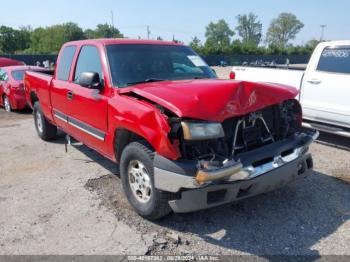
column 202, row 130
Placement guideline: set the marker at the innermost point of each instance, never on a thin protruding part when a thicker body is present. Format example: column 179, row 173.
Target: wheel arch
column 9, row 100
column 123, row 137
column 33, row 98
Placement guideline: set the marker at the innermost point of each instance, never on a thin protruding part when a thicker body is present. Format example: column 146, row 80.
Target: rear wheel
column 137, row 174
column 7, row 104
column 44, row 128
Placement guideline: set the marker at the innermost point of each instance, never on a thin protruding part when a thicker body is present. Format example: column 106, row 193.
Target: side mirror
column 89, row 80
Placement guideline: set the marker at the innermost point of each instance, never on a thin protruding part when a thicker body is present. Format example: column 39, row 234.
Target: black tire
column 157, row 205
column 7, row 104
column 46, row 131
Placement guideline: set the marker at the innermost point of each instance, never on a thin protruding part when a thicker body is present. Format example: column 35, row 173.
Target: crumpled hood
column 213, row 99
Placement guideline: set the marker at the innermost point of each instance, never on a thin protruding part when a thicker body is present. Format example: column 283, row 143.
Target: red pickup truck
column 184, row 140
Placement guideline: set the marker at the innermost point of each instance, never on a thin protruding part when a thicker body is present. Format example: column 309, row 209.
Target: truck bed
column 39, row 83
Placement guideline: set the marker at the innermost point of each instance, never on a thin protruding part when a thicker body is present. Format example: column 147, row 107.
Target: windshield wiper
column 148, row 80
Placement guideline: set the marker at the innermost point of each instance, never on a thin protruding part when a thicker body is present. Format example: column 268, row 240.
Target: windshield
column 134, row 64
column 18, row 75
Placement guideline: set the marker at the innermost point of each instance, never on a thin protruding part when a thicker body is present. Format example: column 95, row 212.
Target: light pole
column 112, row 18
column 322, row 32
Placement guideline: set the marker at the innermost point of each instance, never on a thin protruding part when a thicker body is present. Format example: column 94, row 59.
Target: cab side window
column 335, row 60
column 66, row 63
column 88, row 61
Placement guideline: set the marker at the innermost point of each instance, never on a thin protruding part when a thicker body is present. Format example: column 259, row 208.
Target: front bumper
column 289, row 161
column 215, row 195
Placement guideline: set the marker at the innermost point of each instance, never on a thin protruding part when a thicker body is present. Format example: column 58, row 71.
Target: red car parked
column 12, row 96
column 4, row 61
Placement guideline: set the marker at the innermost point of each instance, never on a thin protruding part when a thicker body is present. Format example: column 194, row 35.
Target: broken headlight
column 202, row 130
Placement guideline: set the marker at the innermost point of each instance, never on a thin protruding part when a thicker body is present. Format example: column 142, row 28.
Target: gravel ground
column 52, row 202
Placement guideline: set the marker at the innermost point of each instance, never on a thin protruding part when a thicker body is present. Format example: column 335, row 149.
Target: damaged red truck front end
column 262, row 134
column 184, row 139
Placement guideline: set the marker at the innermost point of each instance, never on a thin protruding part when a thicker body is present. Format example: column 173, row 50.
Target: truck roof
column 114, row 41
column 335, row 43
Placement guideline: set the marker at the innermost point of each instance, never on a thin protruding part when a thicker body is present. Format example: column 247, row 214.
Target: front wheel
column 7, row 104
column 137, row 174
column 44, row 128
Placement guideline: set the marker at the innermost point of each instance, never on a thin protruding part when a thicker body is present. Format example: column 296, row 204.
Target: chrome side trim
column 96, row 133
column 60, row 118
column 86, row 131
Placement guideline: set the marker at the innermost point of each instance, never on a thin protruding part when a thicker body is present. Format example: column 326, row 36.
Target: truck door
column 326, row 87
column 59, row 86
column 88, row 107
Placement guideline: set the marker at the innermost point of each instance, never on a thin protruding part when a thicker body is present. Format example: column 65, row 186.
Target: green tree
column 236, row 47
column 103, row 31
column 50, row 39
column 196, row 44
column 12, row 40
column 283, row 29
column 89, row 34
column 72, row 32
column 249, row 28
column 8, row 43
column 218, row 37
column 23, row 38
column 311, row 44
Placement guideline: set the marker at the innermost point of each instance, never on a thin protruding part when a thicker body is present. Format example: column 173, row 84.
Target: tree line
column 48, row 40
column 220, row 37
column 245, row 38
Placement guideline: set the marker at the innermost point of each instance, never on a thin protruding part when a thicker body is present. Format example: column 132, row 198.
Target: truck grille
column 248, row 132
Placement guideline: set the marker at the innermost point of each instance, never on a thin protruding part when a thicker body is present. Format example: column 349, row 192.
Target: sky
column 182, row 18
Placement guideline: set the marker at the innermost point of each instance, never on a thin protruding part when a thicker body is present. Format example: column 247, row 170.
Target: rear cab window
column 66, row 59
column 335, row 60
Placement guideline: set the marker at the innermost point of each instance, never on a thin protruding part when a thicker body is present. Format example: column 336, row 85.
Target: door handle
column 314, row 81
column 70, row 95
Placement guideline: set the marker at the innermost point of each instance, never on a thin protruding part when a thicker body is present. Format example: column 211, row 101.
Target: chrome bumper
column 223, row 193
column 173, row 182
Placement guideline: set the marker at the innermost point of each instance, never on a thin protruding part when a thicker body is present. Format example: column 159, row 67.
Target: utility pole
column 322, row 31
column 148, row 32
column 112, row 18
